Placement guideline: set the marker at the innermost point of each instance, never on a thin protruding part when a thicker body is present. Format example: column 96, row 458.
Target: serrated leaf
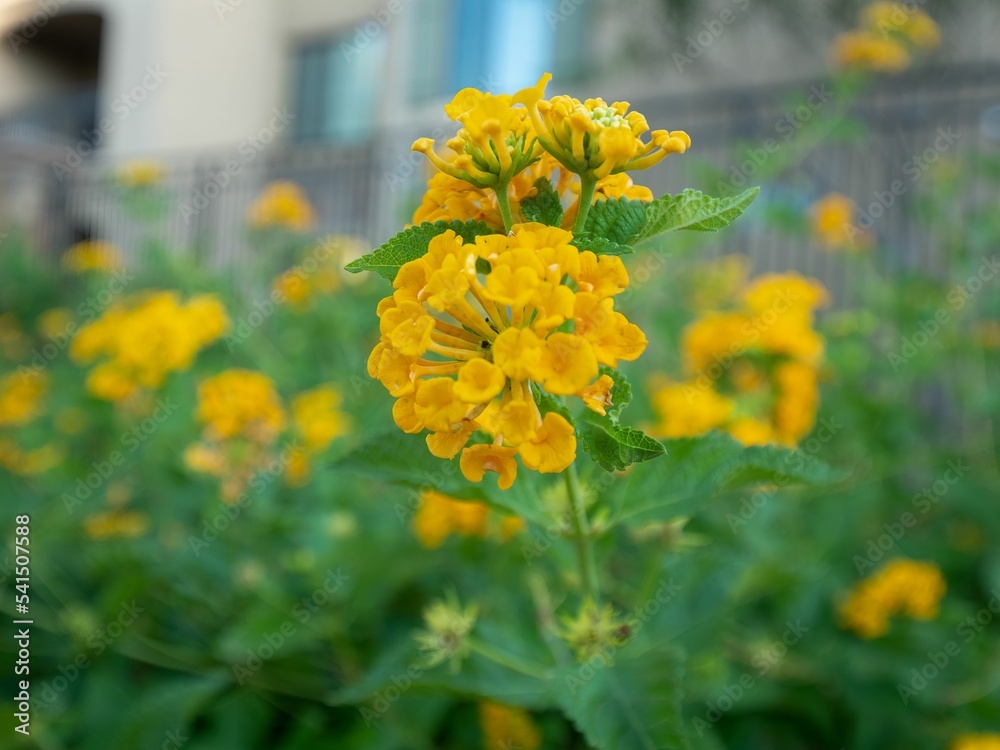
column 410, row 244
column 600, row 245
column 616, row 219
column 615, row 447
column 547, row 403
column 633, row 703
column 698, row 468
column 621, row 393
column 545, row 206
column 692, row 210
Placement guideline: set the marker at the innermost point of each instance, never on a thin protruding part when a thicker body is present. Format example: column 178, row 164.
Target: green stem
column 581, row 537
column 587, row 186
column 506, row 660
column 503, row 201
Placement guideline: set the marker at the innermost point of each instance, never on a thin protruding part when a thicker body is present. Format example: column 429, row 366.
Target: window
column 495, row 45
column 338, row 85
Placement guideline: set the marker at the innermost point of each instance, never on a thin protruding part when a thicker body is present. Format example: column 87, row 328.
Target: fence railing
column 370, row 190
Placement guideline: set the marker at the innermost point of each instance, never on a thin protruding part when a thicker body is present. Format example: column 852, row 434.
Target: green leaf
column 545, row 206
column 621, row 393
column 633, row 703
column 410, row 244
column 699, row 468
column 600, row 245
column 616, row 219
column 693, row 210
column 404, row 460
column 547, row 403
column 613, row 446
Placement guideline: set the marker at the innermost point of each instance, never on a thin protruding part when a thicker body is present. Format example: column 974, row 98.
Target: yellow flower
column 505, row 728
column 282, row 205
column 687, row 410
column 317, row 417
column 240, row 402
column 116, row 523
column 205, row 459
column 797, row 401
column 595, row 139
column 140, row 173
column 870, row 51
column 984, row 741
column 144, row 338
column 31, row 462
column 900, row 587
column 55, row 323
column 833, row 223
column 298, row 469
column 91, row 255
column 439, row 516
column 466, row 351
column 910, row 23
column 494, row 144
column 21, row 395
column 750, row 431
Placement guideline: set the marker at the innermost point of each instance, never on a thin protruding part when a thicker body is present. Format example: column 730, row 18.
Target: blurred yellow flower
column 984, row 741
column 869, row 51
column 205, row 459
column 145, row 338
column 901, row 587
column 282, row 205
column 317, row 417
column 833, row 223
column 240, row 402
column 140, row 173
column 115, row 524
column 686, row 409
column 28, row 462
column 439, row 516
column 505, row 728
column 902, row 19
column 92, row 255
column 889, row 32
column 21, row 395
column 55, row 323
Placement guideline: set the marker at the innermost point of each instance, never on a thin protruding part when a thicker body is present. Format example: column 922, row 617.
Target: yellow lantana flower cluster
column 439, row 516
column 888, row 35
column 986, row 741
column 319, row 273
column 502, row 137
column 243, row 416
column 21, row 398
column 834, row 223
column 92, row 255
column 901, row 587
column 144, row 338
column 753, row 371
column 21, row 395
column 282, row 205
column 474, row 331
column 140, row 173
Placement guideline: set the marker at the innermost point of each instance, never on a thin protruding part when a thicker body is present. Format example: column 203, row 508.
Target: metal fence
column 371, row 190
